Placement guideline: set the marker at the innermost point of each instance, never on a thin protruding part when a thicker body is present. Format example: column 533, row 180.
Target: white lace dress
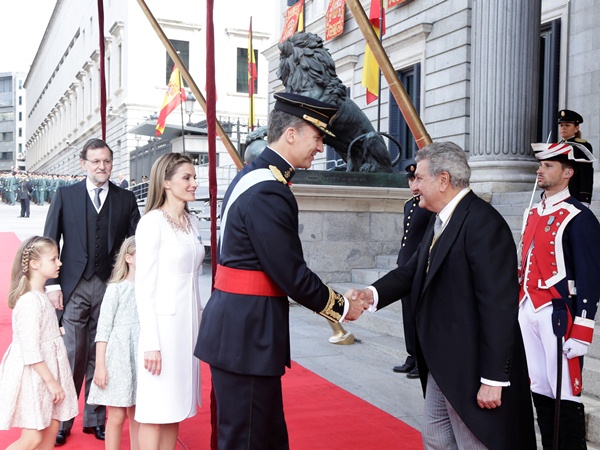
column 25, row 401
column 119, row 327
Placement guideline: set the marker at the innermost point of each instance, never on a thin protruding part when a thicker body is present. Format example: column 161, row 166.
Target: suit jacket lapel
column 421, row 272
column 114, row 212
column 79, row 206
column 448, row 237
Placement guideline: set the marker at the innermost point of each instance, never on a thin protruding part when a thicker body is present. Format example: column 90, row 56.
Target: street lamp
column 189, row 106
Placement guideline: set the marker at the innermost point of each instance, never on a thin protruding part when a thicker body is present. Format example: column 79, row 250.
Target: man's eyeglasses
column 97, row 162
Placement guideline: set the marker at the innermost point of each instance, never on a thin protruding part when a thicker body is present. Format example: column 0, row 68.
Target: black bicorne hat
column 563, row 152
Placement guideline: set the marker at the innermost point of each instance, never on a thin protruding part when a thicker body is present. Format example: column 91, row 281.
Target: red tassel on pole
column 102, row 70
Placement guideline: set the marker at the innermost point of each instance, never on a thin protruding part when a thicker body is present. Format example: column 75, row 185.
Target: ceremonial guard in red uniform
column 559, row 267
column 244, row 334
column 582, row 181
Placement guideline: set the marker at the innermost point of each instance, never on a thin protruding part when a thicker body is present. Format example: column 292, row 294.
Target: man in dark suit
column 416, row 220
column 464, row 284
column 254, row 279
column 123, row 183
column 92, row 218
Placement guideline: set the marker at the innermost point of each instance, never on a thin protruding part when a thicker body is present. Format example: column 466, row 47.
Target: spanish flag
column 301, row 17
column 252, row 76
column 174, row 96
column 370, row 75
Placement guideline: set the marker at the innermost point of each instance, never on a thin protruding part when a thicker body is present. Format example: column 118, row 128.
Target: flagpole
column 405, row 104
column 102, row 69
column 378, row 69
column 181, row 106
column 211, row 124
column 250, row 77
column 233, row 153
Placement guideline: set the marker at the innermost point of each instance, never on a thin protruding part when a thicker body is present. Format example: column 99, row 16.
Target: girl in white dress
column 37, row 390
column 169, row 262
column 115, row 376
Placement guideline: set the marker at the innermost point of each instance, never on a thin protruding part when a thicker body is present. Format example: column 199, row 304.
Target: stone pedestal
column 347, row 227
column 504, row 83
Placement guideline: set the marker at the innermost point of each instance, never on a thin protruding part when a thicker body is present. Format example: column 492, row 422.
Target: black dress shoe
column 61, row 437
column 413, row 373
column 97, row 431
column 404, row 368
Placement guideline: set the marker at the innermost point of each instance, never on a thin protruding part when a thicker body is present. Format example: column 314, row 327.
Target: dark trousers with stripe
column 249, row 412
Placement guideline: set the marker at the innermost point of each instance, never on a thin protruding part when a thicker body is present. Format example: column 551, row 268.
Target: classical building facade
column 63, row 84
column 12, row 121
column 487, row 75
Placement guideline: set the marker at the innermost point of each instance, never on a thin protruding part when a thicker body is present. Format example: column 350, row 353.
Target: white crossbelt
column 245, row 183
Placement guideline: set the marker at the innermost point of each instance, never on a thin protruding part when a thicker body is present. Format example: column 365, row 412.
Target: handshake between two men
column 360, row 300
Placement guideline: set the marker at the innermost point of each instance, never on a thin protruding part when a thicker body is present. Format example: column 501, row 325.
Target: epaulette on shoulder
column 580, row 140
column 411, row 199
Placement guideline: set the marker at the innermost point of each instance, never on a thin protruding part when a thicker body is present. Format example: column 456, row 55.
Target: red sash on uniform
column 246, row 282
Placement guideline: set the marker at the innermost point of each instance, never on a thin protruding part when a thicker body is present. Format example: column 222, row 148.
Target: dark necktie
column 97, row 201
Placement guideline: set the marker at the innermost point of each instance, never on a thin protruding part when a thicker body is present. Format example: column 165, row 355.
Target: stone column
column 504, row 93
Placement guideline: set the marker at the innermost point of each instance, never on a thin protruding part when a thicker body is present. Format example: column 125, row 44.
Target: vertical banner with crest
column 293, row 21
column 334, row 19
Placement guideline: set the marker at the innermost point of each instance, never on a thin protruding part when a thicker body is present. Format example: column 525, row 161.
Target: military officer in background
column 24, row 193
column 11, row 188
column 582, row 181
column 244, row 334
column 53, row 185
column 559, row 267
column 416, row 220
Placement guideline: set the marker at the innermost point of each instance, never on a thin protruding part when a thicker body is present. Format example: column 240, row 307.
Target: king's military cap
column 313, row 111
column 566, row 115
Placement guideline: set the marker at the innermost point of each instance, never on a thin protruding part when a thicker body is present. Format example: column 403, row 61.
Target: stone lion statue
column 307, row 68
column 255, row 144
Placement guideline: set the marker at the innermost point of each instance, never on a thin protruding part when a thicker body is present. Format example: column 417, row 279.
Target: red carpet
column 312, row 404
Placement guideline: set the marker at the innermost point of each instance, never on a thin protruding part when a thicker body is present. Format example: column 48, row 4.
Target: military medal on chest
column 550, row 222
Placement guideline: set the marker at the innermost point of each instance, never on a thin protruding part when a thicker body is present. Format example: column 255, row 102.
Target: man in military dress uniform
column 11, row 188
column 582, row 181
column 416, row 220
column 25, row 189
column 244, row 334
column 560, row 263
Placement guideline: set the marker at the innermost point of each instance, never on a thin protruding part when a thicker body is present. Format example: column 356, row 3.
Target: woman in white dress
column 169, row 261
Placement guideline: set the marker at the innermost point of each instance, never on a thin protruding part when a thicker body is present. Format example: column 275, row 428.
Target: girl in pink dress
column 37, row 390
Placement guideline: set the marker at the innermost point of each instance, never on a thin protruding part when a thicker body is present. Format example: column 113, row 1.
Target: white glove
column 574, row 348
